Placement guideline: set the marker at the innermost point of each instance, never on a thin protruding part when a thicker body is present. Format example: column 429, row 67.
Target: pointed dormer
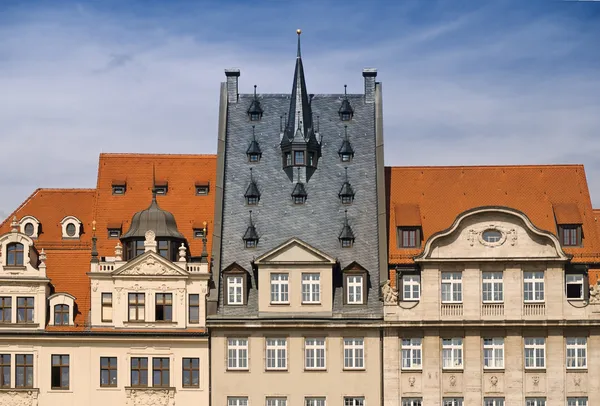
column 300, row 143
column 346, row 193
column 253, row 152
column 250, row 236
column 255, row 111
column 346, row 152
column 346, row 111
column 299, row 194
column 346, row 236
column 252, row 194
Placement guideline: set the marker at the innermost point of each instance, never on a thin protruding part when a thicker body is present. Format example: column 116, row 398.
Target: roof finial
column 251, row 223
column 345, row 93
column 204, row 254
column 346, row 216
column 299, row 31
column 95, row 258
column 255, row 91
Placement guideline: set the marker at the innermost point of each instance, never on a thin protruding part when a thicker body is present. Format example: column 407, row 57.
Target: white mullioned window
column 411, row 287
column 320, row 401
column 493, row 287
column 237, row 401
column 314, row 353
column 235, row 292
column 535, row 352
column 237, row 353
column 452, row 402
column 354, row 353
column 574, row 286
column 280, row 292
column 354, row 284
column 493, row 353
column 533, row 286
column 276, row 349
column 452, row 353
column 311, row 288
column 535, row 401
column 412, row 353
column 276, row 401
column 576, row 352
column 354, row 401
column 412, row 401
column 451, row 287
column 493, row 401
column 577, row 401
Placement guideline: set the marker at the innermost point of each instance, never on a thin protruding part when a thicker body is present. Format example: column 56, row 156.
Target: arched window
column 14, row 255
column 61, row 315
column 71, row 230
column 29, row 229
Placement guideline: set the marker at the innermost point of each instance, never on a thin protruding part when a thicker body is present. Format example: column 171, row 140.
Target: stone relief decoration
column 452, row 380
column 389, row 295
column 577, row 380
column 492, row 235
column 95, row 286
column 595, row 294
column 119, row 294
column 150, row 236
column 494, row 381
column 411, row 381
column 150, row 397
column 536, row 380
column 19, row 398
column 181, row 294
column 150, row 266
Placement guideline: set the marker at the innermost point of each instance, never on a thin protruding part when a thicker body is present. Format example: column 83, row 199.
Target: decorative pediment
column 295, row 251
column 354, row 267
column 491, row 234
column 150, row 264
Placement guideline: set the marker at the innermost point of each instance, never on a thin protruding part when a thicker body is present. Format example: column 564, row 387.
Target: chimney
column 232, row 84
column 369, row 74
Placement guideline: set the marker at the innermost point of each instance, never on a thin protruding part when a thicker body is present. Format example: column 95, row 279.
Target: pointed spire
column 250, row 236
column 346, row 152
column 298, row 31
column 254, row 152
column 252, row 194
column 204, row 254
column 95, row 258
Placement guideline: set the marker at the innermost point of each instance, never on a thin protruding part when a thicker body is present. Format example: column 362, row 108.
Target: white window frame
column 354, row 401
column 492, row 287
column 311, row 288
column 451, row 288
column 237, row 353
column 574, row 279
column 533, row 282
column 354, row 289
column 413, row 283
column 237, row 401
column 280, row 288
column 452, row 353
column 276, row 354
column 493, row 353
column 412, row 353
column 412, row 401
column 493, row 401
column 276, row 401
column 534, row 350
column 577, row 401
column 313, row 348
column 354, row 353
column 452, row 402
column 315, row 401
column 535, row 401
column 576, row 352
column 235, row 290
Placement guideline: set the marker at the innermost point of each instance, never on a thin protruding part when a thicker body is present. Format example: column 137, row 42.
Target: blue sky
column 464, row 83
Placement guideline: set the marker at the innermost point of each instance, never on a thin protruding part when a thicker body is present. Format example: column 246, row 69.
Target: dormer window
column 255, row 111
column 202, row 190
column 346, row 152
column 570, row 235
column 252, row 194
column 114, row 233
column 299, row 158
column 118, row 189
column 355, row 284
column 71, row 230
column 299, row 194
column 345, row 112
column 161, row 189
column 30, row 226
column 346, row 193
column 199, row 233
column 29, row 229
column 15, row 254
column 61, row 315
column 346, row 236
column 253, row 152
column 235, row 278
column 71, row 227
column 250, row 236
column 409, row 237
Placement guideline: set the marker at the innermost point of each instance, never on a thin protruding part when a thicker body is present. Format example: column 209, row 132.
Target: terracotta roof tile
column 567, row 213
column 407, row 215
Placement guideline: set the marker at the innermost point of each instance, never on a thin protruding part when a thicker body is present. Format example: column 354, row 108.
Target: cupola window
column 253, row 152
column 255, row 111
column 346, row 152
column 345, row 112
column 14, row 254
column 299, row 158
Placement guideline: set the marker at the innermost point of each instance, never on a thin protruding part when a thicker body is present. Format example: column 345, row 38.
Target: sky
column 464, row 82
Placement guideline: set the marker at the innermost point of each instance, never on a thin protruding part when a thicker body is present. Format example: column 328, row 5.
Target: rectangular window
column 108, row 372
column 452, row 402
column 311, row 288
column 535, row 401
column 412, row 401
column 577, row 401
column 160, row 372
column 314, row 353
column 493, row 353
column 409, row 237
column 533, row 286
column 24, row 310
column 280, row 288
column 199, row 233
column 118, row 189
column 451, row 287
column 202, row 190
column 276, row 402
column 114, row 232
column 276, row 355
column 237, row 401
column 237, row 353
column 60, row 372
column 452, row 353
column 194, row 308
column 5, row 309
column 161, row 189
column 139, row 371
column 162, row 249
column 574, row 286
column 298, row 157
column 411, row 287
column 352, row 401
column 4, row 370
column 354, row 353
column 24, row 371
column 235, row 286
column 106, row 307
column 190, row 371
column 493, row 287
column 535, row 353
column 314, row 402
column 354, row 286
column 570, row 235
column 288, row 159
column 137, row 307
column 163, row 307
column 493, row 401
column 576, row 352
column 412, row 353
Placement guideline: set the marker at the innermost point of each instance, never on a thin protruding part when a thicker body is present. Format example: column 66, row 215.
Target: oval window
column 71, row 229
column 29, row 229
column 492, row 236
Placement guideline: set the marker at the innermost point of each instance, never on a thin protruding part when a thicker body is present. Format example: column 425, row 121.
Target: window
column 577, row 401
column 347, row 242
column 202, row 190
column 346, row 157
column 71, row 230
column 24, row 371
column 137, row 307
column 190, row 372
column 253, row 157
column 118, row 189
column 412, row 401
column 535, row 349
column 493, row 401
column 237, row 401
column 311, row 288
column 354, row 286
column 411, row 287
column 106, row 307
column 108, row 372
column 491, row 236
column 533, row 286
column 199, row 233
column 60, row 372
column 348, row 401
column 354, row 353
column 570, row 235
column 5, row 309
column 314, row 402
column 535, row 401
column 237, row 353
column 576, row 352
column 139, row 371
column 24, row 310
column 311, row 159
column 251, row 200
column 160, row 372
column 114, row 233
column 411, row 353
column 298, row 157
column 493, row 287
column 162, row 248
column 279, row 288
column 314, row 353
column 288, row 159
column 61, row 315
column 452, row 402
column 163, row 307
column 452, row 353
column 194, row 308
column 409, row 237
column 235, row 286
column 276, row 353
column 14, row 254
column 574, row 286
column 276, row 402
column 161, row 189
column 29, row 229
column 250, row 243
column 4, row 371
column 493, row 353
column 451, row 287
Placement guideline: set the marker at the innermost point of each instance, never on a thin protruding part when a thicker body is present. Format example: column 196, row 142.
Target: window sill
column 15, row 268
column 412, row 369
column 238, row 369
column 4, row 390
column 577, row 369
column 311, row 303
column 533, row 369
column 410, row 300
column 492, row 369
column 276, row 370
column 534, row 302
column 354, row 369
column 578, row 299
column 492, row 302
column 18, row 325
column 315, row 369
column 109, row 388
column 454, row 303
column 279, row 304
column 453, row 369
column 150, row 388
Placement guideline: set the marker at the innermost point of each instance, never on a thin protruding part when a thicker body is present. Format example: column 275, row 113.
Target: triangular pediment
column 150, row 264
column 295, row 251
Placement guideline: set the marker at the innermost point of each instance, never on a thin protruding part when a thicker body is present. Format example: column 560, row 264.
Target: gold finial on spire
column 298, row 31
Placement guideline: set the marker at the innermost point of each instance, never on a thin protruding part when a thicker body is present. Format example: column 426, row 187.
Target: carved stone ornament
column 494, row 381
column 150, row 397
column 150, row 236
column 150, row 267
column 476, row 234
column 536, row 380
column 452, row 380
column 389, row 295
column 577, row 380
column 411, row 381
column 95, row 286
column 595, row 294
column 19, row 398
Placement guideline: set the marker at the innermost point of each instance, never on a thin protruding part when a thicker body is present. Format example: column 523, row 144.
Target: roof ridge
column 148, row 155
column 510, row 166
column 11, row 215
column 66, row 189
